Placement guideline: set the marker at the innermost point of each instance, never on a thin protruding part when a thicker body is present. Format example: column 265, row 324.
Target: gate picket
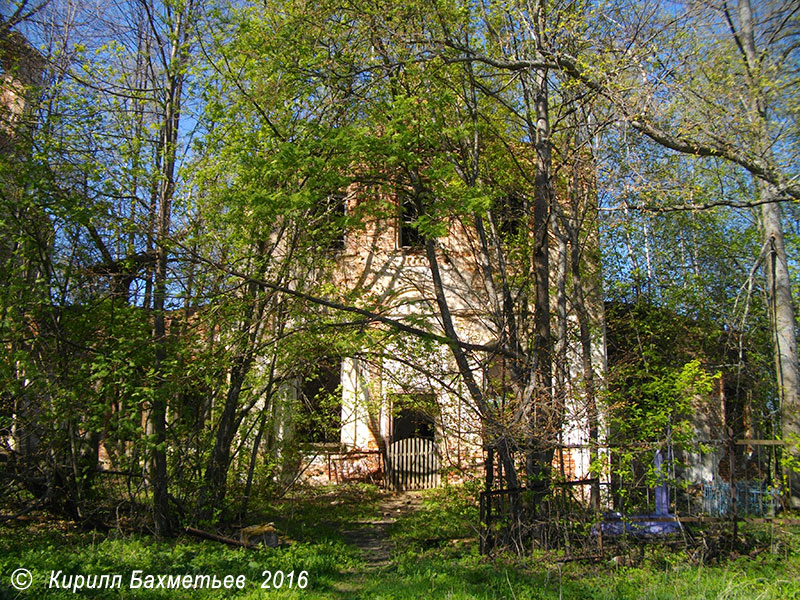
column 412, row 464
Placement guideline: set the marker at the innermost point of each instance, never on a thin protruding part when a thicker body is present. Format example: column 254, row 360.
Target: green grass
column 320, row 513
column 447, row 513
column 78, row 553
column 471, row 577
column 421, row 569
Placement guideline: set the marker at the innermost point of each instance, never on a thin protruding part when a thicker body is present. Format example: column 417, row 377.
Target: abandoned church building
column 408, row 397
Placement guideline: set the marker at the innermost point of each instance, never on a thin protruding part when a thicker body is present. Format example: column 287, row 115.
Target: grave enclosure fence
column 662, row 496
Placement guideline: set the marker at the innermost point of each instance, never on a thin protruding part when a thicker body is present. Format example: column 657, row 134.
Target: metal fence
column 658, row 494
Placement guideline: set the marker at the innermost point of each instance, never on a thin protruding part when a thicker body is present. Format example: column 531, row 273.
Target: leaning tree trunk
column 497, row 434
column 213, row 491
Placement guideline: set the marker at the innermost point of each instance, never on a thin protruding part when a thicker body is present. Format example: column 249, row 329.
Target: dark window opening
column 410, row 237
column 335, row 217
column 321, row 406
column 410, row 423
column 508, row 213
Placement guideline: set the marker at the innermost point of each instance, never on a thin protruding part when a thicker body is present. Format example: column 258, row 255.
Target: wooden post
column 487, row 511
column 732, row 461
column 489, row 468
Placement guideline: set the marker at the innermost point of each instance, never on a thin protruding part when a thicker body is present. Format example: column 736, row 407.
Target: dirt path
column 372, row 536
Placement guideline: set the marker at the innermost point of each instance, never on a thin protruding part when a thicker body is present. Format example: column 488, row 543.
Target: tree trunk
column 214, row 485
column 251, row 326
column 157, row 418
column 174, row 65
column 778, row 282
column 779, row 296
column 542, row 419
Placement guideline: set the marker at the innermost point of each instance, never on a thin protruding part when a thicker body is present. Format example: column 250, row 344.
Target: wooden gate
column 412, row 464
